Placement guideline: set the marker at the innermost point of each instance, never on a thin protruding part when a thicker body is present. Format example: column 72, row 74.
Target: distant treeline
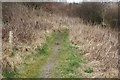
column 105, row 14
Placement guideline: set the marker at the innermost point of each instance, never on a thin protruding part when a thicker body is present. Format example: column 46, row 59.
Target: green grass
column 75, row 63
column 68, row 61
column 34, row 70
column 9, row 74
column 88, row 70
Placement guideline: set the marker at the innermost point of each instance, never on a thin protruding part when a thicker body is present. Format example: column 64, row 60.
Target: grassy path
column 56, row 59
column 69, row 59
column 55, row 48
column 65, row 60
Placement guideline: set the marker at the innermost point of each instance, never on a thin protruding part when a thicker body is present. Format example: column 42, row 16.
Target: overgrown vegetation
column 33, row 68
column 67, row 53
column 38, row 27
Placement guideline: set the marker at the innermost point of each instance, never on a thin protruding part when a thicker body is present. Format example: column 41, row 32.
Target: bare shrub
column 111, row 14
column 15, row 24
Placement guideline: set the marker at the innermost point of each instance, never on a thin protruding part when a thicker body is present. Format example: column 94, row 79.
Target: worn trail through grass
column 64, row 61
column 56, row 59
column 55, row 48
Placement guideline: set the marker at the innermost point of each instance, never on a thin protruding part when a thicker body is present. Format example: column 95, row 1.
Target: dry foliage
column 98, row 44
column 28, row 31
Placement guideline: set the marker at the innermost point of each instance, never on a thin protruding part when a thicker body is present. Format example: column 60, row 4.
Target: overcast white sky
column 70, row 1
column 77, row 1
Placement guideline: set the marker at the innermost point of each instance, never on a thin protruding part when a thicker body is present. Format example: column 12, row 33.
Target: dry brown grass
column 99, row 44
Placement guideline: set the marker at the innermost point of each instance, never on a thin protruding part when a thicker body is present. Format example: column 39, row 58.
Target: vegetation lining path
column 56, row 59
column 65, row 59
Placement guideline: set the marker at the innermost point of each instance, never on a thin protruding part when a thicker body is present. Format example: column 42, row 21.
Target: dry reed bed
column 99, row 44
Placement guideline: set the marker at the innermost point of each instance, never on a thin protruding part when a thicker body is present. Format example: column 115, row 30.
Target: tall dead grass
column 28, row 33
column 99, row 44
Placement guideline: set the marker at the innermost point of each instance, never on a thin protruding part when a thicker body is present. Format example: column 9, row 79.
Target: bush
column 111, row 14
column 91, row 12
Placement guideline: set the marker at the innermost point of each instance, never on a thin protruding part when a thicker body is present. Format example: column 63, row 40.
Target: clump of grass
column 88, row 70
column 72, row 47
column 9, row 74
column 75, row 63
column 42, row 51
column 69, row 69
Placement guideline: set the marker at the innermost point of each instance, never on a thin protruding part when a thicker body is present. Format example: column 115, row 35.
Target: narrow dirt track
column 52, row 60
